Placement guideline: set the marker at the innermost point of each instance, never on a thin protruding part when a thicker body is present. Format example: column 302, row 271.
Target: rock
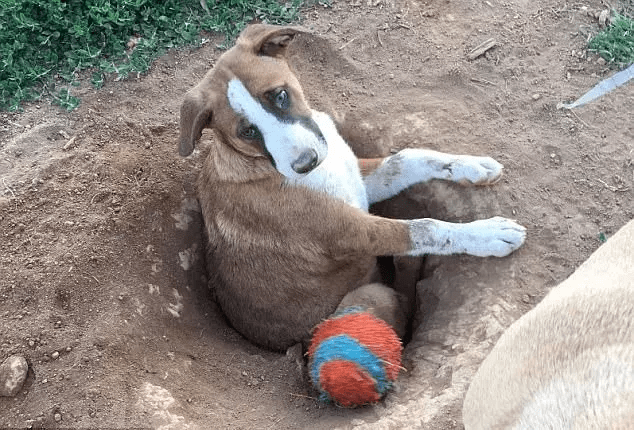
column 12, row 375
column 604, row 17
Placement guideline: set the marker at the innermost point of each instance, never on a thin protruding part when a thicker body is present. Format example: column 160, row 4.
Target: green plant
column 65, row 99
column 616, row 43
column 44, row 40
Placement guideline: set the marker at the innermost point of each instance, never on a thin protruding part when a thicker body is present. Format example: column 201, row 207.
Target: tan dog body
column 285, row 201
column 569, row 362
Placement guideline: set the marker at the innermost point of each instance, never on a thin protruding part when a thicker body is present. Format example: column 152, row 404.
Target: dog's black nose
column 306, row 162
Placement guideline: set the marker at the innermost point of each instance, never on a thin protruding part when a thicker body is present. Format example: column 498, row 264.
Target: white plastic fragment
column 602, row 88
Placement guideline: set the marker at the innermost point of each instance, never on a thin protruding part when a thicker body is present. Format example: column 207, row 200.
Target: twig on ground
column 69, row 143
column 347, row 43
column 580, row 120
column 304, row 396
column 482, row 81
column 612, row 188
column 8, row 188
column 481, row 49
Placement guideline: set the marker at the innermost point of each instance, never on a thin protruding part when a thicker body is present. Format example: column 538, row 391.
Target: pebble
column 55, row 355
column 58, row 417
column 12, row 375
column 536, row 96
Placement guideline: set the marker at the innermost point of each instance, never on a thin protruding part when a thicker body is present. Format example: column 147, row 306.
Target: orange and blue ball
column 354, row 358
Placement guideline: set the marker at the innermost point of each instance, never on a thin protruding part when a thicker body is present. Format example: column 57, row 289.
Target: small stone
column 457, row 348
column 604, row 17
column 58, row 417
column 536, row 96
column 55, row 355
column 601, row 61
column 69, row 349
column 13, row 373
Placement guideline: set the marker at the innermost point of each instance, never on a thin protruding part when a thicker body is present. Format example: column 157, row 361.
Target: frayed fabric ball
column 354, row 357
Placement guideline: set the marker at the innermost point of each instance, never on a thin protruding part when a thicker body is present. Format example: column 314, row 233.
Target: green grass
column 616, row 43
column 45, row 43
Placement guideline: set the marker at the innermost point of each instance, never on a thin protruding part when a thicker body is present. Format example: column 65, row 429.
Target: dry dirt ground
column 101, row 281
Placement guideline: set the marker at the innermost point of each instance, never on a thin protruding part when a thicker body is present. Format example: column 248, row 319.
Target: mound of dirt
column 102, row 286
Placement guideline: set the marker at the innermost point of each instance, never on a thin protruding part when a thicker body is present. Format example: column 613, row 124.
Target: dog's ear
column 270, row 40
column 196, row 112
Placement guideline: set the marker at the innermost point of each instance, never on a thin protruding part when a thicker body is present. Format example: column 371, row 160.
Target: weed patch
column 44, row 43
column 616, row 43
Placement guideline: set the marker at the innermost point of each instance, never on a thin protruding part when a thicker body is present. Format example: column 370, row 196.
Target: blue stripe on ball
column 343, row 347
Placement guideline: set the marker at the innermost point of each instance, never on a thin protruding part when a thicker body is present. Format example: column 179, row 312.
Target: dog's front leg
column 384, row 178
column 493, row 237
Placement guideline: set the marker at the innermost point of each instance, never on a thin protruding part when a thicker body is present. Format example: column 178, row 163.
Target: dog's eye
column 281, row 99
column 249, row 132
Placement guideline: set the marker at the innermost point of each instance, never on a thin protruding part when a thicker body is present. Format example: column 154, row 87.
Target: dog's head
column 255, row 103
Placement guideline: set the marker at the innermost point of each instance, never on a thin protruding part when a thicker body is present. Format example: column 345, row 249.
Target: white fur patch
column 284, row 141
column 493, row 237
column 411, row 166
column 338, row 175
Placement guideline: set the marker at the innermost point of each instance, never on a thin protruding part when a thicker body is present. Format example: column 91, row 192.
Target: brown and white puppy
column 569, row 362
column 285, row 201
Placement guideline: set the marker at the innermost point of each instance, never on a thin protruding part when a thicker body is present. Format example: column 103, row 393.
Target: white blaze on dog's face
column 294, row 143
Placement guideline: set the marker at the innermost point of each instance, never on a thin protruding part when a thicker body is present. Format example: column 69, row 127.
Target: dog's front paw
column 476, row 170
column 494, row 237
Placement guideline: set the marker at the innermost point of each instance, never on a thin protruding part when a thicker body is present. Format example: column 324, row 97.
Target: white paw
column 493, row 237
column 476, row 170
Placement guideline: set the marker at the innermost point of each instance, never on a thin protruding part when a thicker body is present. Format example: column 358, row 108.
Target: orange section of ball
column 347, row 384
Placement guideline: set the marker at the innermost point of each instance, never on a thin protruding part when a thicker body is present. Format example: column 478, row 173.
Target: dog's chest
column 338, row 175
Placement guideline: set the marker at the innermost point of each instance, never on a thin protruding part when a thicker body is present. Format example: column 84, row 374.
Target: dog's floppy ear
column 269, row 40
column 196, row 112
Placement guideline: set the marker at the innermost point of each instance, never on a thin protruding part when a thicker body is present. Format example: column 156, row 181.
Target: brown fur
column 278, row 271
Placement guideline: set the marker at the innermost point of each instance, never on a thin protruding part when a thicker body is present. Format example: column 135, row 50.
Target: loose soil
column 102, row 286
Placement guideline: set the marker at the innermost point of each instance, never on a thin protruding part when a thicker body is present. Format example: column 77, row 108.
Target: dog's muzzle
column 307, row 161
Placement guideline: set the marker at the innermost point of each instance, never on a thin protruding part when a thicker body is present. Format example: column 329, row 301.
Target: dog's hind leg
column 381, row 301
column 384, row 178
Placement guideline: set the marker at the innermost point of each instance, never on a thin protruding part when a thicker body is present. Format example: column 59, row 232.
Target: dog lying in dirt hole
column 285, row 201
column 569, row 362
